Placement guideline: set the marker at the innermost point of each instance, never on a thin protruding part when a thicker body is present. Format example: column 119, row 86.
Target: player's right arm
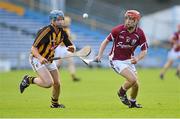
column 101, row 49
column 110, row 37
column 38, row 42
column 35, row 52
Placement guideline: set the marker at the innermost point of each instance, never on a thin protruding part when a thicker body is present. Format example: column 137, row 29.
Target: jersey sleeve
column 143, row 42
column 66, row 39
column 173, row 38
column 112, row 35
column 40, row 35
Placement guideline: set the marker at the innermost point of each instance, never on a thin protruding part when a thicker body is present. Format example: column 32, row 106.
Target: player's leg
column 130, row 77
column 128, row 71
column 178, row 71
column 178, row 68
column 122, row 68
column 72, row 69
column 56, row 85
column 166, row 67
column 130, row 81
column 134, row 91
column 44, row 80
column 133, row 95
column 56, row 90
column 172, row 56
column 134, row 88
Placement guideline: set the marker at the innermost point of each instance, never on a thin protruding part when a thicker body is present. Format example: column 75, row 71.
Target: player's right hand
column 98, row 58
column 43, row 60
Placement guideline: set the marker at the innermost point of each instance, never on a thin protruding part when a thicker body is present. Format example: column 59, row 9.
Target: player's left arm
column 144, row 46
column 141, row 55
column 173, row 38
column 68, row 43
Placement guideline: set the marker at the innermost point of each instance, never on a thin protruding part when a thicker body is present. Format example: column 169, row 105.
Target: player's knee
column 133, row 80
column 49, row 84
column 136, row 85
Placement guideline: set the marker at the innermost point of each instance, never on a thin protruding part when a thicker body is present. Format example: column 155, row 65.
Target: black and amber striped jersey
column 48, row 39
column 68, row 31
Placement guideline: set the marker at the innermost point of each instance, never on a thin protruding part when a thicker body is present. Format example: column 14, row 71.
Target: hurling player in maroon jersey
column 126, row 37
column 173, row 54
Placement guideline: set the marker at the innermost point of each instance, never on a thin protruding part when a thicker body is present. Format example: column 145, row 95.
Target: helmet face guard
column 54, row 14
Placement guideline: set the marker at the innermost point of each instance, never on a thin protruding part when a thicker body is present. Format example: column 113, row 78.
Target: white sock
column 133, row 100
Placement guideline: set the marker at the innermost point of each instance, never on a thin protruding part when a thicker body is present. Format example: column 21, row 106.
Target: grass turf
column 94, row 96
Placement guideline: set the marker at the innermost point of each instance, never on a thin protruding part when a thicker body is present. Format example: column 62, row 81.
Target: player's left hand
column 71, row 48
column 134, row 60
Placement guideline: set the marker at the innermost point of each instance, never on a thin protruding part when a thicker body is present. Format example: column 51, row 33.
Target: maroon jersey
column 176, row 41
column 124, row 43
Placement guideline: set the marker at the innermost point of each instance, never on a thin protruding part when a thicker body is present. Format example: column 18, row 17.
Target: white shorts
column 119, row 65
column 36, row 65
column 172, row 55
column 61, row 51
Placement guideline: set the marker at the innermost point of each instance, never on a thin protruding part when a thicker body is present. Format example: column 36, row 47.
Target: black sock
column 31, row 79
column 54, row 101
column 122, row 92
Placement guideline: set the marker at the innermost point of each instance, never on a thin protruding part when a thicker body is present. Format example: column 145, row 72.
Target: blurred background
column 21, row 19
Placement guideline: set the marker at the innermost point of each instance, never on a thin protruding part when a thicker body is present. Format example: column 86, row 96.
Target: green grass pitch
column 94, row 96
